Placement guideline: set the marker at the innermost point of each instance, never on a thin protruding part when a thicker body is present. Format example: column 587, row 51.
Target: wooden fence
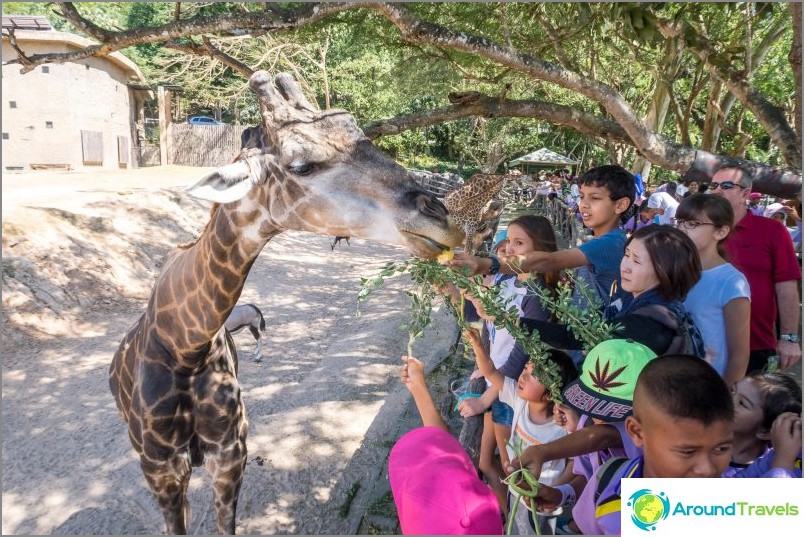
column 438, row 184
column 203, row 145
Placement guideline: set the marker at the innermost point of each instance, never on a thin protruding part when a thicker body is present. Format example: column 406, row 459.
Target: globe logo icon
column 648, row 508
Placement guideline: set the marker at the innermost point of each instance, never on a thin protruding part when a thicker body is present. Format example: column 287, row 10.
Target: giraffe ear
column 229, row 183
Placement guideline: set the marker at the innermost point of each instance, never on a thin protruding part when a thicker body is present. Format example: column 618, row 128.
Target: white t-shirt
column 717, row 287
column 663, row 200
column 526, row 433
column 501, row 341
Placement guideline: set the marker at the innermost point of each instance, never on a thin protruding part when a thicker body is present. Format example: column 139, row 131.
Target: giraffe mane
column 192, row 242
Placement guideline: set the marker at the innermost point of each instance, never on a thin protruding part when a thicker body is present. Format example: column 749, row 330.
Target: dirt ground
column 80, row 252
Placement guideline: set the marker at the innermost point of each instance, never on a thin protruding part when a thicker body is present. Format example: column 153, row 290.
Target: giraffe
column 468, row 203
column 174, row 375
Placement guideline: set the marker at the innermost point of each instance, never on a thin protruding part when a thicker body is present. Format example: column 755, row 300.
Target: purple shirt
column 762, row 468
column 607, row 522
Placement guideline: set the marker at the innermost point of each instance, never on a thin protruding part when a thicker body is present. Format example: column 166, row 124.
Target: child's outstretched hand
column 565, row 417
column 786, row 439
column 473, row 264
column 471, row 406
column 473, row 335
column 531, row 459
column 413, row 373
column 547, row 498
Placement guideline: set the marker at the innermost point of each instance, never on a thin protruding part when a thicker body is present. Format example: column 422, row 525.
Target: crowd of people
column 704, row 290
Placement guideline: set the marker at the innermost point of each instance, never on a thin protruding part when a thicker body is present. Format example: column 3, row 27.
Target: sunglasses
column 725, row 185
column 689, row 224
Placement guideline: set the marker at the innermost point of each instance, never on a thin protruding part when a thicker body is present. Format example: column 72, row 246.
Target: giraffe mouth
column 423, row 246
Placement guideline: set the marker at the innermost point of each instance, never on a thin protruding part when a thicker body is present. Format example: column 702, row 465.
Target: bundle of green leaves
column 427, row 275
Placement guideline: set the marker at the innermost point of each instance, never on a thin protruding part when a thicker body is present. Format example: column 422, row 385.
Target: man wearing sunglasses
column 762, row 250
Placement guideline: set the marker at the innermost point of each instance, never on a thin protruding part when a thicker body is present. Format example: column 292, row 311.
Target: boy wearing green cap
column 683, row 423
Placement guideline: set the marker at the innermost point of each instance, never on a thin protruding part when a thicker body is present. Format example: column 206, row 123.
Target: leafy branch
column 586, row 324
column 530, row 489
column 430, row 274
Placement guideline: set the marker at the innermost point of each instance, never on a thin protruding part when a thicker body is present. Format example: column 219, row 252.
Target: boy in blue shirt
column 683, row 422
column 606, row 193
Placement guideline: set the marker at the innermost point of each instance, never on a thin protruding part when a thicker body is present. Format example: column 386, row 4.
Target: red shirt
column 761, row 248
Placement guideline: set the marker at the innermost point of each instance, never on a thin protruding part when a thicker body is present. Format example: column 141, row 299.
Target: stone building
column 74, row 115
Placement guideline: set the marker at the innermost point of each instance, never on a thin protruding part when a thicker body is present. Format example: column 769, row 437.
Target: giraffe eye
column 301, row 168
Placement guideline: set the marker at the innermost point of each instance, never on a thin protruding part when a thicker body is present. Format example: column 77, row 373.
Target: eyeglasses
column 690, row 224
column 725, row 185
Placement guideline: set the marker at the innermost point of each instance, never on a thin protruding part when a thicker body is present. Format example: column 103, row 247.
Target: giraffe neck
column 200, row 285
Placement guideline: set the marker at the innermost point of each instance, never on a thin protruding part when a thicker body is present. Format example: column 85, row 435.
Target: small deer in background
column 247, row 316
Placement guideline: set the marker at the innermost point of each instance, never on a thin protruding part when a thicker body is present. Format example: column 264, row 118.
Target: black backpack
column 688, row 339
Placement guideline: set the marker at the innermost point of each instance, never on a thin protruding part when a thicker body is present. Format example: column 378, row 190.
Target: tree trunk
column 770, row 116
column 795, row 62
column 772, row 181
column 711, row 131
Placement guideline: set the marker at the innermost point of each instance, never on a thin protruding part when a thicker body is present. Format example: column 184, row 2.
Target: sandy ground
column 80, row 254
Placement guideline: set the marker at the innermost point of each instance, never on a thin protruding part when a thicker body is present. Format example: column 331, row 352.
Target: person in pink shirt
column 753, row 204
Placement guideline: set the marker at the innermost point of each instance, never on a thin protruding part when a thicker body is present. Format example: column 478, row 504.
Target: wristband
column 495, row 266
column 567, row 495
column 794, row 338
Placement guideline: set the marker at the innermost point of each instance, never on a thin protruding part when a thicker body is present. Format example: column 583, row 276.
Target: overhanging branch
column 771, row 117
column 230, row 24
column 210, row 50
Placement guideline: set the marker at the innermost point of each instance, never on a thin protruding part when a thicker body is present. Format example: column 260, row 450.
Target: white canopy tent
column 543, row 159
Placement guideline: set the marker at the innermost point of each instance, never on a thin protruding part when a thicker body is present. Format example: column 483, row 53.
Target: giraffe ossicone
column 174, row 375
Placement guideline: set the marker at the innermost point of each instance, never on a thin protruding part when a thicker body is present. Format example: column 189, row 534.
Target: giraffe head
column 471, row 206
column 316, row 171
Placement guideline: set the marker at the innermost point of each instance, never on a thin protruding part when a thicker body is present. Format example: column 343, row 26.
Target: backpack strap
column 606, row 472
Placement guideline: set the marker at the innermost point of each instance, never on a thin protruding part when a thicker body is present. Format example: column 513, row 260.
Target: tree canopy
column 685, row 87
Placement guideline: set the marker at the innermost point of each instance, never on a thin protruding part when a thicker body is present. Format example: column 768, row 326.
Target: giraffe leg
column 168, row 481
column 226, row 470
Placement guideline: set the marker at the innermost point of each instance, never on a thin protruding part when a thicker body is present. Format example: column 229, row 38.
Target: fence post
column 163, row 101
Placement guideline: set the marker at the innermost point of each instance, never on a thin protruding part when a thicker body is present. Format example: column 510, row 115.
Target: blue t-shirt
column 705, row 302
column 604, row 254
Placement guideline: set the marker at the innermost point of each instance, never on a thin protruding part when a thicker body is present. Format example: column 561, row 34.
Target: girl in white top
column 524, row 234
column 720, row 302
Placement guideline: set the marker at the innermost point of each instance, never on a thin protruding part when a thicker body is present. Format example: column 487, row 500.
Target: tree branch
column 415, row 30
column 767, row 179
column 770, row 116
column 208, row 49
column 473, row 104
column 69, row 12
column 229, row 24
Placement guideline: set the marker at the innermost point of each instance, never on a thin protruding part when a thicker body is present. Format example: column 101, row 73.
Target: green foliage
column 586, row 324
column 426, row 274
column 523, row 484
column 372, row 72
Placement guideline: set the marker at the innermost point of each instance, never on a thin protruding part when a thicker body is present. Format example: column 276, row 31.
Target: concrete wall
column 87, row 95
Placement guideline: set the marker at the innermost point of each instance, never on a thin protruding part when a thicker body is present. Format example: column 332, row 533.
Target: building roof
column 542, row 156
column 73, row 41
column 26, row 22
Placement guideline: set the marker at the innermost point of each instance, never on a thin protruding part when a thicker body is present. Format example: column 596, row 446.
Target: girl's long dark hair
column 541, row 232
